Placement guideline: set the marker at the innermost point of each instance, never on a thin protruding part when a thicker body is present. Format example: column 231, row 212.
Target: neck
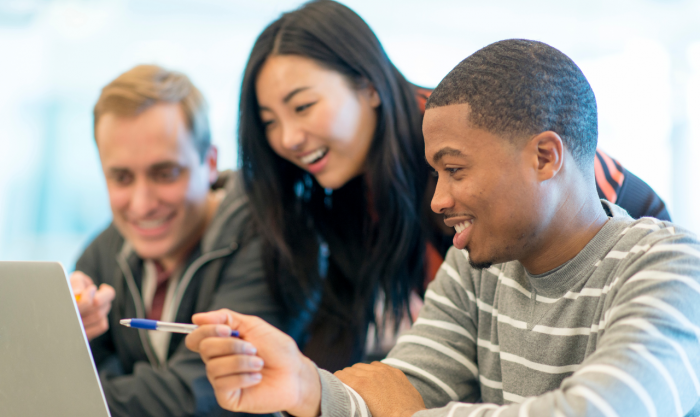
column 574, row 224
column 173, row 260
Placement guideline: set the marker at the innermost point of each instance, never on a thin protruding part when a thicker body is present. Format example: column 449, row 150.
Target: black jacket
column 225, row 271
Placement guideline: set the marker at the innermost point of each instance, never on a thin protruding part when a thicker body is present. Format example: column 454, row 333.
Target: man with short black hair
column 552, row 302
column 179, row 243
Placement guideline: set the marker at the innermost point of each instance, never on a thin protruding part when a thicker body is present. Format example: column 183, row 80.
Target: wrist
column 309, row 391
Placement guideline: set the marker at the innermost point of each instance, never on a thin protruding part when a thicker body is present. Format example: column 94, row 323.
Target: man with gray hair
column 552, row 302
column 179, row 243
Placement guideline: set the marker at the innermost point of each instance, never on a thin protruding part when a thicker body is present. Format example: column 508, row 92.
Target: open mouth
column 153, row 224
column 314, row 156
column 463, row 226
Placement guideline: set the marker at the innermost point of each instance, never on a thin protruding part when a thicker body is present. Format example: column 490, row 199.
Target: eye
column 166, row 175
column 122, row 178
column 452, row 171
column 303, row 107
column 267, row 123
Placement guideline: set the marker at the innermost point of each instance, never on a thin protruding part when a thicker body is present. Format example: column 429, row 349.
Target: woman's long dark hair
column 297, row 217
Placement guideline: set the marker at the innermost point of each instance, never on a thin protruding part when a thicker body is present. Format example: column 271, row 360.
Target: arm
column 181, row 388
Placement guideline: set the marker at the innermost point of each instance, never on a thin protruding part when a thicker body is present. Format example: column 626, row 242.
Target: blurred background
column 641, row 57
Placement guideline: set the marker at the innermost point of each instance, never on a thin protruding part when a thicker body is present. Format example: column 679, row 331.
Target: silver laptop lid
column 46, row 368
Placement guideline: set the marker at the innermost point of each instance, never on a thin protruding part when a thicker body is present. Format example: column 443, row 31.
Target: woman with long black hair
column 333, row 162
column 332, row 156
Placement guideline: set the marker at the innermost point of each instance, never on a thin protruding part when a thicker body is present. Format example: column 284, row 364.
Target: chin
column 151, row 250
column 330, row 182
column 479, row 264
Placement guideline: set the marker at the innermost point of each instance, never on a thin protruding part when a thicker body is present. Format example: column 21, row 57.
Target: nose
column 442, row 199
column 143, row 198
column 293, row 137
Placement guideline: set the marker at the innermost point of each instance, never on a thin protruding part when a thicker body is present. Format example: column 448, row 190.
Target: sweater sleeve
column 646, row 360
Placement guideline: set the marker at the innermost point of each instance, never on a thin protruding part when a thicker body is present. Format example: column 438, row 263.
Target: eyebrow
column 292, row 93
column 154, row 167
column 164, row 165
column 446, row 152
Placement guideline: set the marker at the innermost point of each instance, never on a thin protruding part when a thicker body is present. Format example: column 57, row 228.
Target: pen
column 163, row 326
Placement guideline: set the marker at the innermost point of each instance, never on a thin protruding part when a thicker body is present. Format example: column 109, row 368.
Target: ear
column 211, row 160
column 549, row 150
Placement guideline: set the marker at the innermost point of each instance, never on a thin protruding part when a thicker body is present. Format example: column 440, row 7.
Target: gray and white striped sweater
column 613, row 332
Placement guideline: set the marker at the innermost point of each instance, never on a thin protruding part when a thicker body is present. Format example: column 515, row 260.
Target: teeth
column 314, row 156
column 463, row 226
column 151, row 224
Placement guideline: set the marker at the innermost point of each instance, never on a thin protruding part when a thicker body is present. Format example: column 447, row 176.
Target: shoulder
column 649, row 250
column 463, row 277
column 619, row 186
column 100, row 253
column 233, row 220
column 109, row 240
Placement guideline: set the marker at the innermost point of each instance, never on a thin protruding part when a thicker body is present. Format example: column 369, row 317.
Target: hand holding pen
column 262, row 372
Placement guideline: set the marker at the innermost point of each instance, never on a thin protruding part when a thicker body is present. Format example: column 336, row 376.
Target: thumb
column 105, row 294
column 222, row 316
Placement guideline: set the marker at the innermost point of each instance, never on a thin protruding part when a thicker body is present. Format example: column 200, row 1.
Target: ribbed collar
column 558, row 281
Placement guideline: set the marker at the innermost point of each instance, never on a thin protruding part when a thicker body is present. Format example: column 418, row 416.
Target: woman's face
column 315, row 119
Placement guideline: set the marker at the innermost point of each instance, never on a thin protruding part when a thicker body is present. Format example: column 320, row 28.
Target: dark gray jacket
column 225, row 271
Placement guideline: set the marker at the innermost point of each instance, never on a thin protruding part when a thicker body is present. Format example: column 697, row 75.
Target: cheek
column 119, row 198
column 342, row 123
column 177, row 193
column 274, row 139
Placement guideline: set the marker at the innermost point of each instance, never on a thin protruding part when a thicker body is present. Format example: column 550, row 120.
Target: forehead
column 281, row 74
column 448, row 127
column 159, row 133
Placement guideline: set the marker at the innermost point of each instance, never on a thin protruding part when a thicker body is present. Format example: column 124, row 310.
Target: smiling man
column 552, row 302
column 179, row 244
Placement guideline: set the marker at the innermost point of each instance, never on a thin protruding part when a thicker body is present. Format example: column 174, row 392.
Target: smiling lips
column 315, row 161
column 314, row 156
column 152, row 227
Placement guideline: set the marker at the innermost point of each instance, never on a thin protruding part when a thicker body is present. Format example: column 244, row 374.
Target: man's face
column 158, row 187
column 486, row 187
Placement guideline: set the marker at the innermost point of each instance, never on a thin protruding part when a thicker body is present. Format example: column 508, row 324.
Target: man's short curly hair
column 520, row 87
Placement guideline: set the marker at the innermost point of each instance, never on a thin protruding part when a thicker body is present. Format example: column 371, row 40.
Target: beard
column 480, row 265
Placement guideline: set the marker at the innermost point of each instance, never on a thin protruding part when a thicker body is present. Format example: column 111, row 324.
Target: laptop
column 46, row 368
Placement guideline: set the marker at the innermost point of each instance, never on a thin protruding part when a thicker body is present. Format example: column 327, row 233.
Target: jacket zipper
column 184, row 282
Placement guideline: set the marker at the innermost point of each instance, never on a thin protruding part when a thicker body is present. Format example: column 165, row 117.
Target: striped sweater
column 612, row 332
